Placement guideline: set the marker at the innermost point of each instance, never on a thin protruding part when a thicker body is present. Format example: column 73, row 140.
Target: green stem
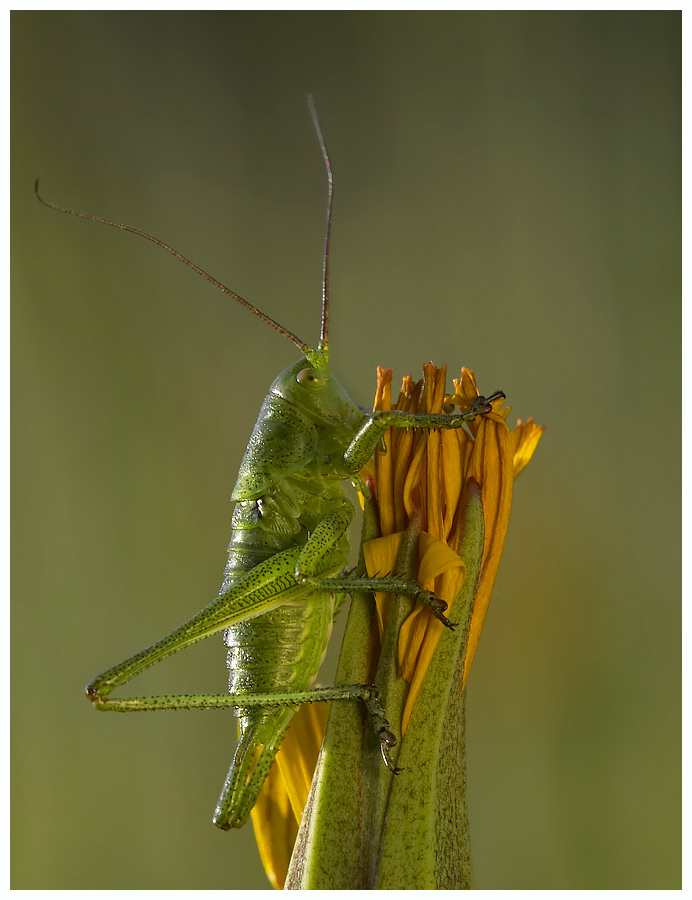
column 331, row 850
column 427, row 844
column 363, row 827
column 393, row 689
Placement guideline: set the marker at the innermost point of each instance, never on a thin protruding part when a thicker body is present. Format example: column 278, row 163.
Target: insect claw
column 481, row 406
column 395, row 770
column 437, row 607
column 387, row 741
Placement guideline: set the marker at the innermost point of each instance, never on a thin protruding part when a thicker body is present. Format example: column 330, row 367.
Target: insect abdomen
column 280, row 650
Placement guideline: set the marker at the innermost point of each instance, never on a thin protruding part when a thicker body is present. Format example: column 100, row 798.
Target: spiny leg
column 363, row 692
column 378, row 421
column 390, row 584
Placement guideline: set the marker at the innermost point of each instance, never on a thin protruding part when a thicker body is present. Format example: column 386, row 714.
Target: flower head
column 432, row 472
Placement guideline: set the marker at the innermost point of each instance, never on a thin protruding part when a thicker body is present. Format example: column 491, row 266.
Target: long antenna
column 222, row 287
column 324, row 333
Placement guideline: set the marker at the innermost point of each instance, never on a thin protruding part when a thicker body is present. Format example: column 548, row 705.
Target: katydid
column 285, row 576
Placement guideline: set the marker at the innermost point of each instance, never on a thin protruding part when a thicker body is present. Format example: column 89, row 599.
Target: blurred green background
column 507, row 197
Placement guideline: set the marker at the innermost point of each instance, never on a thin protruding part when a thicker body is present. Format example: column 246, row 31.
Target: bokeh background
column 507, row 197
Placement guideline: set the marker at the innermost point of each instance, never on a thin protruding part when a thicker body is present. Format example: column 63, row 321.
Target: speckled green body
column 290, row 480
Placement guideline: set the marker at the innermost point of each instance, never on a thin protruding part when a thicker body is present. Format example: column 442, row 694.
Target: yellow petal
column 383, row 391
column 275, row 828
column 433, row 494
column 380, row 557
column 297, row 756
column 466, row 386
column 525, row 438
column 435, row 558
column 380, row 554
column 426, row 645
column 402, row 448
column 453, row 472
column 279, row 807
column 421, row 631
column 492, row 466
column 414, row 468
column 423, row 639
column 384, row 476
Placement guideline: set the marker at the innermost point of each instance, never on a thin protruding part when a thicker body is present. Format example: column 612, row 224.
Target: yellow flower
column 431, row 471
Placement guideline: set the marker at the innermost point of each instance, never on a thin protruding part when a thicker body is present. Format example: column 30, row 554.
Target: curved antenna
column 217, row 284
column 324, row 332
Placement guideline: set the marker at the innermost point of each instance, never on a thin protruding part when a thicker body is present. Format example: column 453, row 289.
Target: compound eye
column 311, row 378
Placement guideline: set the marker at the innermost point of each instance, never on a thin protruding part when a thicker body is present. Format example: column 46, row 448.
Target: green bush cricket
column 285, row 576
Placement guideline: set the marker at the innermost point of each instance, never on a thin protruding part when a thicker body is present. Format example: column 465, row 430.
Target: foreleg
column 363, row 445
